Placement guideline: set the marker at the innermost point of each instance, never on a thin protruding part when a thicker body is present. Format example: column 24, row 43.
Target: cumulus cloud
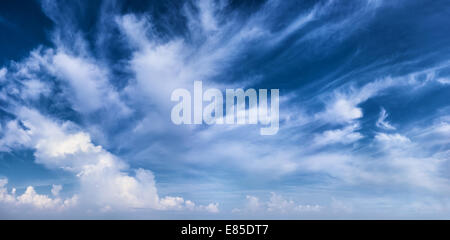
column 34, row 200
column 104, row 178
column 3, row 72
column 253, row 203
column 212, row 207
column 178, row 203
column 276, row 204
column 346, row 135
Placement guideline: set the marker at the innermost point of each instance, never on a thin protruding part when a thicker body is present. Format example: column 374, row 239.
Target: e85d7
column 246, row 229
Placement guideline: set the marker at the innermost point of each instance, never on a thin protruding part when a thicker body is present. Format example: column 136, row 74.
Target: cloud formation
column 95, row 104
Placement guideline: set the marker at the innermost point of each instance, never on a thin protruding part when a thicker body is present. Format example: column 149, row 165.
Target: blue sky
column 85, row 109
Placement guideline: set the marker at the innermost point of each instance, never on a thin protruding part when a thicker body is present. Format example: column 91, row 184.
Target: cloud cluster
column 276, row 205
column 105, row 180
column 33, row 200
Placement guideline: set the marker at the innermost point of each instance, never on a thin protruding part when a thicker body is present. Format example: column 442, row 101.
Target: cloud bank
column 364, row 116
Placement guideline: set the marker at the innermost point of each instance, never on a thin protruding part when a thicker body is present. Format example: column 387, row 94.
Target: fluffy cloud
column 276, row 204
column 34, row 200
column 104, row 178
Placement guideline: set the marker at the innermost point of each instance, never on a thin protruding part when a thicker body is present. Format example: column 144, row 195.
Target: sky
column 85, row 106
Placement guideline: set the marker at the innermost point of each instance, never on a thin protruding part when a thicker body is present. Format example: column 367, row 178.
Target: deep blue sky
column 85, row 109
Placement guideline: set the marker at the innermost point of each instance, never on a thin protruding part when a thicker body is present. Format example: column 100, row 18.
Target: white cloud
column 392, row 139
column 414, row 165
column 32, row 199
column 163, row 66
column 34, row 88
column 271, row 160
column 342, row 106
column 276, row 204
column 3, row 72
column 4, row 195
column 444, row 81
column 207, row 18
column 345, row 135
column 347, row 167
column 13, row 136
column 89, row 83
column 443, row 127
column 212, row 208
column 382, row 123
column 253, row 203
column 342, row 111
column 178, row 203
column 104, row 178
column 399, row 161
